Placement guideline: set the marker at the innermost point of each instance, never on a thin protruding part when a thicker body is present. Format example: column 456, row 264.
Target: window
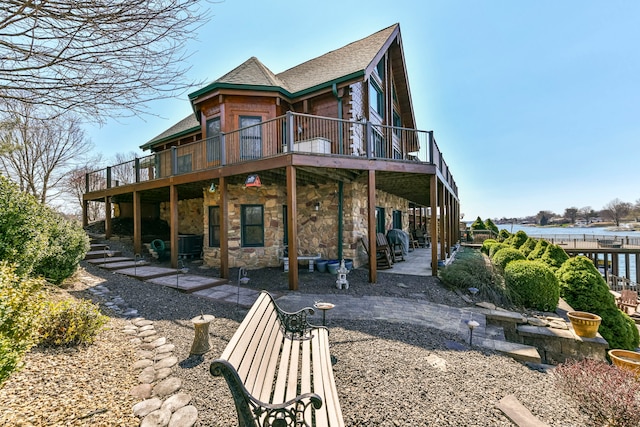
column 250, row 137
column 379, row 149
column 380, row 68
column 376, row 98
column 397, row 123
column 397, row 220
column 252, row 225
column 380, row 225
column 214, row 226
column 184, row 163
column 213, row 140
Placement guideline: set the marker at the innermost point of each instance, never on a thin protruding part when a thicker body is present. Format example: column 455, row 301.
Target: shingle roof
column 338, row 63
column 251, row 72
column 189, row 123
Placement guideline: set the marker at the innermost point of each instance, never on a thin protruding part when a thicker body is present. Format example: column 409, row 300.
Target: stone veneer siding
column 317, row 230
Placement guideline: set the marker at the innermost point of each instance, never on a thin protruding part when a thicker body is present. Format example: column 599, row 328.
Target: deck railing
column 292, row 132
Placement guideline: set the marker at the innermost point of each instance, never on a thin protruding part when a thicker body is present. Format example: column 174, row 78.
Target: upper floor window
column 380, row 68
column 376, row 98
column 250, row 137
column 252, row 225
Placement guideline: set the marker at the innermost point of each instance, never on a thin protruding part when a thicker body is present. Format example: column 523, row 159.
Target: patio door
column 250, row 137
column 380, row 223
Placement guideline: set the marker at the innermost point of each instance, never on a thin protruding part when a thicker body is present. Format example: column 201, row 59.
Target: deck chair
column 383, row 259
column 628, row 299
column 383, row 251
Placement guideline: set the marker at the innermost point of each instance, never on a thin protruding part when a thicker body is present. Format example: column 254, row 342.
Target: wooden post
column 371, row 226
column 292, row 229
column 173, row 215
column 224, row 229
column 107, row 217
column 442, row 237
column 137, row 223
column 433, row 222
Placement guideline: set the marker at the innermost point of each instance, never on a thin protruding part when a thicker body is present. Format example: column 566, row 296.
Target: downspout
column 340, row 183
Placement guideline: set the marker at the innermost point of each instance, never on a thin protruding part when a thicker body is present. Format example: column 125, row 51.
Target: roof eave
column 180, row 134
column 217, row 85
column 349, row 77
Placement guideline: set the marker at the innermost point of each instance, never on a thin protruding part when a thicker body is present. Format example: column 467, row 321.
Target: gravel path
column 387, row 374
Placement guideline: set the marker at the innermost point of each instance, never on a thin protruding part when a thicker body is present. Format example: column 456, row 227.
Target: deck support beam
column 224, row 228
column 292, row 229
column 371, row 226
column 433, row 223
column 107, row 217
column 173, row 207
column 137, row 223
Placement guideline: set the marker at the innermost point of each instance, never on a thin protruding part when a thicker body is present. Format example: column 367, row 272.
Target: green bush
column 554, row 256
column 533, row 283
column 495, row 248
column 538, row 251
column 23, row 235
column 505, row 255
column 20, row 306
column 70, row 322
column 469, row 270
column 584, row 289
column 503, row 235
column 486, row 245
column 517, row 240
column 478, row 224
column 37, row 240
column 528, row 246
column 490, row 225
column 68, row 245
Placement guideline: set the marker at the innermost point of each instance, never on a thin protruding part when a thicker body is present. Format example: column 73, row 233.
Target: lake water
column 583, row 233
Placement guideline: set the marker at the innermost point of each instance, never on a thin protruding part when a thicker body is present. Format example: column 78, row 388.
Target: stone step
column 101, row 254
column 520, row 352
column 98, row 246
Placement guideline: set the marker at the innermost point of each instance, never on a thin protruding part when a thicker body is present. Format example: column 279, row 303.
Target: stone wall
column 317, row 229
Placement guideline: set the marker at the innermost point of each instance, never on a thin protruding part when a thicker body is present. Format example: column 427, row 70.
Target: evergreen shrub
column 533, row 284
column 517, row 240
column 21, row 301
column 490, row 225
column 505, row 255
column 503, row 235
column 486, row 245
column 554, row 256
column 584, row 289
column 478, row 224
column 538, row 251
column 495, row 248
column 528, row 246
column 70, row 322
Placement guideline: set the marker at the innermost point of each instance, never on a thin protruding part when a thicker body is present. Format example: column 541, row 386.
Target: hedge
column 533, row 283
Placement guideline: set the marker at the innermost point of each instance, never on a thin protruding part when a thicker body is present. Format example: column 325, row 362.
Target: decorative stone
column 184, row 417
column 145, row 407
column 486, row 305
column 141, row 322
column 158, row 342
column 150, row 338
column 162, row 373
column 135, row 341
column 167, row 387
column 201, row 343
column 147, row 376
column 402, row 285
column 147, row 333
column 161, row 356
column 144, row 354
column 158, row 418
column 559, row 324
column 145, row 328
column 176, row 401
column 144, row 363
column 437, row 362
column 534, row 321
column 165, row 348
column 142, row 391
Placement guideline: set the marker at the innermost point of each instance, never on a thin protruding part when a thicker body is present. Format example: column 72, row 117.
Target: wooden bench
column 278, row 369
column 628, row 300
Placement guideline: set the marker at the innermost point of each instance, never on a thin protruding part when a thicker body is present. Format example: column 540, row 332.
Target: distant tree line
column 616, row 211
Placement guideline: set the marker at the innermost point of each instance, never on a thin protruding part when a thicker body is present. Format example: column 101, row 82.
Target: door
column 380, row 225
column 250, row 137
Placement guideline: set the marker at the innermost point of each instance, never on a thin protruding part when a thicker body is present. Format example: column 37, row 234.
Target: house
column 310, row 160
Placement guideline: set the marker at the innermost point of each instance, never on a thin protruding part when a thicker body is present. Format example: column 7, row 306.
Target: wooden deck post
column 107, row 217
column 173, row 207
column 292, row 227
column 433, row 223
column 137, row 223
column 371, row 226
column 442, row 238
column 224, row 229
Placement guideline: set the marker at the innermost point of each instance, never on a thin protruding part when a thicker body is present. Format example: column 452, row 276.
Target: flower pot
column 333, row 266
column 348, row 263
column 584, row 324
column 625, row 359
column 321, row 265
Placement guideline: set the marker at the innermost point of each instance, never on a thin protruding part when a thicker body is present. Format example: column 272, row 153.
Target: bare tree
column 587, row 213
column 616, row 210
column 124, row 171
column 100, row 57
column 571, row 214
column 75, row 184
column 38, row 152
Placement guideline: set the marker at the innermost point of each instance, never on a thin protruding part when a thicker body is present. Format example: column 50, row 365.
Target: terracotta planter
column 625, row 359
column 584, row 324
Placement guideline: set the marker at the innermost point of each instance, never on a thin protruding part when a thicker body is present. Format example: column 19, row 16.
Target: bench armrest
column 253, row 412
column 295, row 323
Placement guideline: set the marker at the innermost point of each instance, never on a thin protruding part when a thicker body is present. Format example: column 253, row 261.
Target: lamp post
column 472, row 324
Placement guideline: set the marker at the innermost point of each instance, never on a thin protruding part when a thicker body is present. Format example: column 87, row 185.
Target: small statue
column 342, row 282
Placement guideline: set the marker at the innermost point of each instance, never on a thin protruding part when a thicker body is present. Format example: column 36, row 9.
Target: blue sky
column 535, row 104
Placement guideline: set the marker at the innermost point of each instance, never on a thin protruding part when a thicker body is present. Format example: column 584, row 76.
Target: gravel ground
column 387, row 374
